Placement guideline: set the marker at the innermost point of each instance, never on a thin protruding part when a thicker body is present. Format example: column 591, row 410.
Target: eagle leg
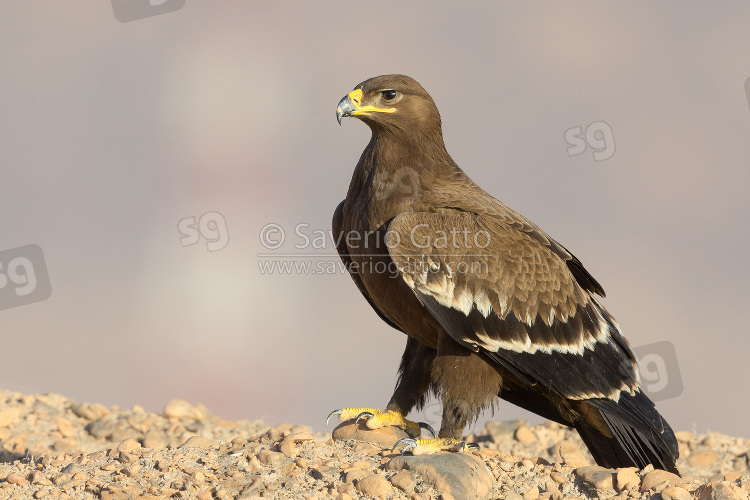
column 429, row 446
column 375, row 419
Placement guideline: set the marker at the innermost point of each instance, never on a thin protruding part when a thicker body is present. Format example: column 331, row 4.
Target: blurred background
column 156, row 162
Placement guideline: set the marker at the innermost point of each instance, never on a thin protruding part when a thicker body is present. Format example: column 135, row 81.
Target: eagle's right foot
column 429, row 446
column 375, row 419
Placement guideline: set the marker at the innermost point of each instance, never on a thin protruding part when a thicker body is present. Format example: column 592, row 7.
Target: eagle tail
column 640, row 435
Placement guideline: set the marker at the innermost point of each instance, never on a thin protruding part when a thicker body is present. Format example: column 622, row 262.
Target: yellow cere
column 356, row 97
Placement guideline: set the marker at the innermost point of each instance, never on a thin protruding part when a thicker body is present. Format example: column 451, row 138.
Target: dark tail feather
column 641, row 436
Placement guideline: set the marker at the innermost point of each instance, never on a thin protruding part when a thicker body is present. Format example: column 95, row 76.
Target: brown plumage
column 492, row 305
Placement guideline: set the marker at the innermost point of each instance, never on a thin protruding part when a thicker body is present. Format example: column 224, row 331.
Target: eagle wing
column 501, row 286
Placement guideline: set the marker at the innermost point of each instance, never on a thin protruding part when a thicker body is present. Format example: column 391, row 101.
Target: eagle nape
column 501, row 311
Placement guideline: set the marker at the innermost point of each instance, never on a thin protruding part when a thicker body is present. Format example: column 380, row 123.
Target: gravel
column 53, row 447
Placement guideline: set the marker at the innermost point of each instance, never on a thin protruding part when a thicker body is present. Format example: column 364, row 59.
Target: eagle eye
column 389, row 95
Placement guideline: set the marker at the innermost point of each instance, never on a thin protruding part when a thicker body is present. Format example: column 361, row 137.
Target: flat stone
column 14, row 478
column 596, row 478
column 155, row 438
column 326, row 473
column 403, row 480
column 384, row 438
column 675, row 493
column 572, row 456
column 89, row 411
column 102, row 427
column 703, row 458
column 127, row 458
column 299, row 437
column 455, row 475
column 40, row 479
column 657, row 477
column 531, row 494
column 184, row 410
column 732, row 476
column 557, row 477
column 374, row 485
column 268, row 457
column 355, row 475
column 198, row 442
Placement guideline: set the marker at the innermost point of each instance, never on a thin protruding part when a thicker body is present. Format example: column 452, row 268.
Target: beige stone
column 524, row 435
column 65, row 428
column 657, row 477
column 572, row 456
column 198, row 442
column 626, row 479
column 129, row 445
column 595, row 477
column 287, row 448
column 268, row 457
column 557, row 477
column 675, row 493
column 531, row 494
column 14, row 478
column 374, row 485
column 403, row 480
column 183, row 410
column 703, row 458
column 355, row 475
column 383, row 438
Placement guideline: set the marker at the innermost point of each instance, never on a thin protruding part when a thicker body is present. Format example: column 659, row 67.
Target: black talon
column 469, row 446
column 424, row 425
column 410, row 443
column 334, row 412
column 363, row 415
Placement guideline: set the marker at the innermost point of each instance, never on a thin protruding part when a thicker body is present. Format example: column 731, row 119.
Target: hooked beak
column 351, row 105
column 345, row 108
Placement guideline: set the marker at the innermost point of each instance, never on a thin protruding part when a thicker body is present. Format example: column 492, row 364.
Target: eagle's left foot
column 428, row 446
column 375, row 419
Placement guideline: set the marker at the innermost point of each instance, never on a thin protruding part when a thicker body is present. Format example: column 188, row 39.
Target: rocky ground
column 53, row 447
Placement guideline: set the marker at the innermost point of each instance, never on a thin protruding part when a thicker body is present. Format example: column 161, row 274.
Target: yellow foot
column 428, row 446
column 376, row 419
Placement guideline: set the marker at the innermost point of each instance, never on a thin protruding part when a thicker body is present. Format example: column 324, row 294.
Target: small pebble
column 14, row 478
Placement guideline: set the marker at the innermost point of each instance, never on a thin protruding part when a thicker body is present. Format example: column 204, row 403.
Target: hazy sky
column 148, row 159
